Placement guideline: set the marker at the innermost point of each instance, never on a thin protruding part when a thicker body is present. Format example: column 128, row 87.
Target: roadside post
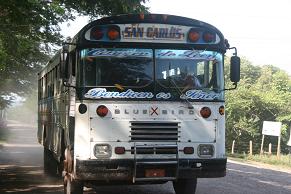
column 272, row 129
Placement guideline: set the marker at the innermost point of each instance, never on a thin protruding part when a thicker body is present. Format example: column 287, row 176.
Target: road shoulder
column 260, row 165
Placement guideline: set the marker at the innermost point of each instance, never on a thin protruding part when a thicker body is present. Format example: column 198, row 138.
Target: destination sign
column 152, row 33
column 149, row 32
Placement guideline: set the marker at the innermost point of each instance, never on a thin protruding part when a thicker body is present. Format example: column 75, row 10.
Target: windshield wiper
column 190, row 106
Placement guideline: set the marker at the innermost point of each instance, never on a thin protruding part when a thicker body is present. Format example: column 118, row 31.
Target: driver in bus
column 191, row 82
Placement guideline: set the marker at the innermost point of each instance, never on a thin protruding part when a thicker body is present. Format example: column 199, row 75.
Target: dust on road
column 21, row 164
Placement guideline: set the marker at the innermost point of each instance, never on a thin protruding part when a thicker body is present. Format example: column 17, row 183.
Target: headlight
column 102, row 151
column 205, row 150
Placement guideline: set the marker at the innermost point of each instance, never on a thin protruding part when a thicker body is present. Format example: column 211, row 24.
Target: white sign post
column 273, row 129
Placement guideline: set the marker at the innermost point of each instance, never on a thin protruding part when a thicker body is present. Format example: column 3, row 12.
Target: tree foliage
column 96, row 8
column 28, row 28
column 263, row 94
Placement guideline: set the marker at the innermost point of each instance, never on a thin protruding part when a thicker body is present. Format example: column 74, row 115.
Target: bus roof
column 150, row 19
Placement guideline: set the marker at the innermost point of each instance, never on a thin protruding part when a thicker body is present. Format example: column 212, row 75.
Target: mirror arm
column 235, row 86
column 230, row 48
column 235, row 50
column 68, row 85
column 69, row 43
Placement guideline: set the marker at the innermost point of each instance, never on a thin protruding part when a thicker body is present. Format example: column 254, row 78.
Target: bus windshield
column 167, row 71
column 189, row 69
column 110, row 67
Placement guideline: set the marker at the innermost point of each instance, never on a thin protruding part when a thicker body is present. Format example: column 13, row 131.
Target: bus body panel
column 115, row 130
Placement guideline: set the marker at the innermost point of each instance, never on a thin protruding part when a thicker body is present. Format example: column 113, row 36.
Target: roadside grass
column 283, row 161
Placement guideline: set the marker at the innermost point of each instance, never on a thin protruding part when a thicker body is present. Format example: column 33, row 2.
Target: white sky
column 260, row 29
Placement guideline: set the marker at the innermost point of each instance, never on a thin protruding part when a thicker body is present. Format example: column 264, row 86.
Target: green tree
column 263, row 94
column 29, row 28
column 98, row 8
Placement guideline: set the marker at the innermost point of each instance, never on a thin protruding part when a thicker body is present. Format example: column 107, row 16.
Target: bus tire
column 72, row 186
column 185, row 186
column 50, row 164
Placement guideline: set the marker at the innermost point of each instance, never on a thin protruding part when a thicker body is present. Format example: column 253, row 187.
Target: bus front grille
column 154, row 131
column 154, row 150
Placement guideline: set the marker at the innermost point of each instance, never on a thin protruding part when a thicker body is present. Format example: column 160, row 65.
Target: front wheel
column 185, row 186
column 72, row 186
column 50, row 164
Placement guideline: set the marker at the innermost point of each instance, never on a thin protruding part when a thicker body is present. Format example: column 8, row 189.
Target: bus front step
column 155, row 169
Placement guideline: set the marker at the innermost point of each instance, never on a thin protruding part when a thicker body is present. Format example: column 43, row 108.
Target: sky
column 260, row 29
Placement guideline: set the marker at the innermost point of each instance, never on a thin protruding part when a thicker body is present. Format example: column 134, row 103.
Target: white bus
column 136, row 99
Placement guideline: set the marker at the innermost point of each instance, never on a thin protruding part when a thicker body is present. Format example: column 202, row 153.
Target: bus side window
column 73, row 62
column 39, row 89
column 201, row 75
column 58, row 81
column 46, row 87
column 42, row 89
column 53, row 82
column 212, row 74
column 49, row 85
column 205, row 73
column 70, row 64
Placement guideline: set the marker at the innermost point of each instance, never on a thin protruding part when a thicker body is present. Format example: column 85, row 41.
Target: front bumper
column 128, row 170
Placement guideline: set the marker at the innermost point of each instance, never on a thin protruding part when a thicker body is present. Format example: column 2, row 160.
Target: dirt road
column 21, row 171
column 21, row 164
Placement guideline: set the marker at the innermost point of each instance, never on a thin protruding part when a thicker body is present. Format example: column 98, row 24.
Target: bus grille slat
column 154, row 131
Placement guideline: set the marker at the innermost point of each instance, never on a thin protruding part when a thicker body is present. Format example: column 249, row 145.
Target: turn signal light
column 97, row 33
column 208, row 37
column 119, row 150
column 102, row 111
column 221, row 110
column 205, row 112
column 113, row 33
column 141, row 16
column 193, row 35
column 188, row 150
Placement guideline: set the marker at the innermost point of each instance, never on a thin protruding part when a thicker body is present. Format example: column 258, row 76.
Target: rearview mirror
column 64, row 64
column 235, row 69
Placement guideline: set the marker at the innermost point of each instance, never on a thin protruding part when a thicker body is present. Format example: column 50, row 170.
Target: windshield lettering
column 103, row 93
column 107, row 53
column 199, row 94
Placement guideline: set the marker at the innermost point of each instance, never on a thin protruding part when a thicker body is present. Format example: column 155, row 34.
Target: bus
column 136, row 99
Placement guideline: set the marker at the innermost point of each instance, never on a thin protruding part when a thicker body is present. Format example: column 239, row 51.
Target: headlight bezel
column 102, row 151
column 210, row 153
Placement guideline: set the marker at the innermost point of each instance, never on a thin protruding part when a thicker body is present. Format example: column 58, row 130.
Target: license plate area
column 155, row 171
column 151, row 173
